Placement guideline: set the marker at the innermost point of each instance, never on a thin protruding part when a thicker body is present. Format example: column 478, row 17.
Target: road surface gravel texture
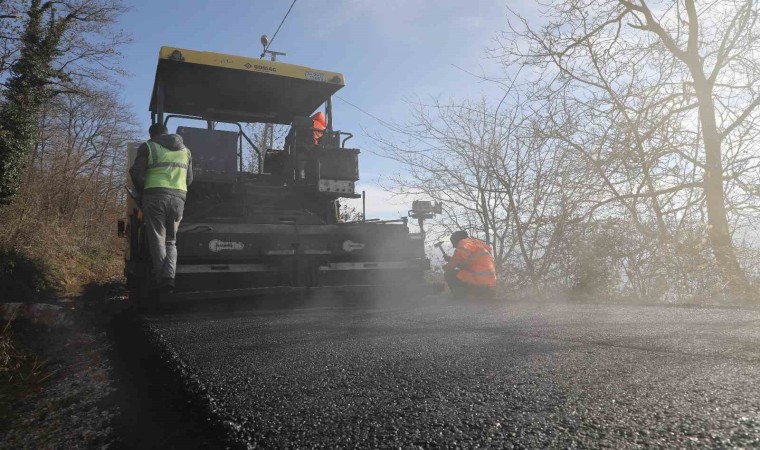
column 439, row 373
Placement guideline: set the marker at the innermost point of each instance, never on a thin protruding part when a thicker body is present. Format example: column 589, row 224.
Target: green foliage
column 27, row 90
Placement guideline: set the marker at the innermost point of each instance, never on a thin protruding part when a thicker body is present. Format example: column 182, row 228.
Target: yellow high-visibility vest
column 167, row 168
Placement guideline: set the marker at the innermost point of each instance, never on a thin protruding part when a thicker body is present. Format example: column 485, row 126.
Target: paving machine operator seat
column 328, row 167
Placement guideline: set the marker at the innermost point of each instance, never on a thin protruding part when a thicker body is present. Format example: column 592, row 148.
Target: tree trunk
column 718, row 231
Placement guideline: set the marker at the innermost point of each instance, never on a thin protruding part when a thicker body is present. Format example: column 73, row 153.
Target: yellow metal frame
column 250, row 65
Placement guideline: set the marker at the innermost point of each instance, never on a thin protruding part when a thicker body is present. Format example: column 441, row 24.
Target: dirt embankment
column 56, row 380
column 82, row 373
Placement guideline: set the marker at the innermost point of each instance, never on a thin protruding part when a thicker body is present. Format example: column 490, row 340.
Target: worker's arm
column 460, row 256
column 139, row 168
column 189, row 177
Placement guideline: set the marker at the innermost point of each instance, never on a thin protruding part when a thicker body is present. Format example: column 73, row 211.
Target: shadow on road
column 155, row 411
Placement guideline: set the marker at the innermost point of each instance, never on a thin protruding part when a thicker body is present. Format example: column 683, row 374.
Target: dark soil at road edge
column 162, row 404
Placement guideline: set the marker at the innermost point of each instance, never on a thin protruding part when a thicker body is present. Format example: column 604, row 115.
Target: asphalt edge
column 197, row 393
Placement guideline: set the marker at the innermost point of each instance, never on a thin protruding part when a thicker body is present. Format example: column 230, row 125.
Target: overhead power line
column 278, row 29
column 381, row 121
column 390, row 126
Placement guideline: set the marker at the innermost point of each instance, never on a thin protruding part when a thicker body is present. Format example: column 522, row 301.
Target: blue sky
column 388, row 50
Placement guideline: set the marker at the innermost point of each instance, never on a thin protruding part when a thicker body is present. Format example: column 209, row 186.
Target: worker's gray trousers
column 163, row 212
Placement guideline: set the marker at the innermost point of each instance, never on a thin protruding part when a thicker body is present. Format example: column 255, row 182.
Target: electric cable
column 381, row 121
column 392, row 127
column 278, row 29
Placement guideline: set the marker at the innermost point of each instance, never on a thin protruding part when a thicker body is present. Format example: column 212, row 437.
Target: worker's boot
column 155, row 287
column 167, row 286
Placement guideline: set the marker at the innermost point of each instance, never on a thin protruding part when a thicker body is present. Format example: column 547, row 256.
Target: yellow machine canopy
column 215, row 86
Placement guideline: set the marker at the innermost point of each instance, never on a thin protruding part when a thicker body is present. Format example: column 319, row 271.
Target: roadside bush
column 23, row 279
column 66, row 209
column 613, row 259
column 40, row 260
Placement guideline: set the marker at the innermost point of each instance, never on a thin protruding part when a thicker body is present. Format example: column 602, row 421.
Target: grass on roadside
column 40, row 272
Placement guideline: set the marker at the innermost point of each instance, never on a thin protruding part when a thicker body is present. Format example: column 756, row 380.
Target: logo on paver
column 350, row 246
column 315, row 76
column 217, row 246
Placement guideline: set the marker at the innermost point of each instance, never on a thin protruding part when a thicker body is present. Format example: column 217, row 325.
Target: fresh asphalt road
column 440, row 373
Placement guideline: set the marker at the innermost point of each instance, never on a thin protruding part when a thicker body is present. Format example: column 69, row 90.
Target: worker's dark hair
column 458, row 236
column 157, row 129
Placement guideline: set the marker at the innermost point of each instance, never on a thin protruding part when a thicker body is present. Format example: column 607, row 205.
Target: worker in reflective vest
column 319, row 124
column 161, row 173
column 471, row 271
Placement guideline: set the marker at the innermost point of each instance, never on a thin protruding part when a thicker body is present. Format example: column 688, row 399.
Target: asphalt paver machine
column 275, row 229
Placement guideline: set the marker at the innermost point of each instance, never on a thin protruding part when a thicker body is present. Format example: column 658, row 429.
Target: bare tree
column 499, row 180
column 674, row 85
column 9, row 36
column 262, row 138
column 76, row 173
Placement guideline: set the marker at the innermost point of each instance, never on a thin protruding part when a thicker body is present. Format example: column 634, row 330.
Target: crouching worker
column 471, row 272
column 161, row 173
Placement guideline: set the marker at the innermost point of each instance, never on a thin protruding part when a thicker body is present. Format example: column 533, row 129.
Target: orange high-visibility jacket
column 319, row 124
column 474, row 259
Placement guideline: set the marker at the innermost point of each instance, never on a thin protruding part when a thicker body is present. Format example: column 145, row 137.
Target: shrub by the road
column 23, row 279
